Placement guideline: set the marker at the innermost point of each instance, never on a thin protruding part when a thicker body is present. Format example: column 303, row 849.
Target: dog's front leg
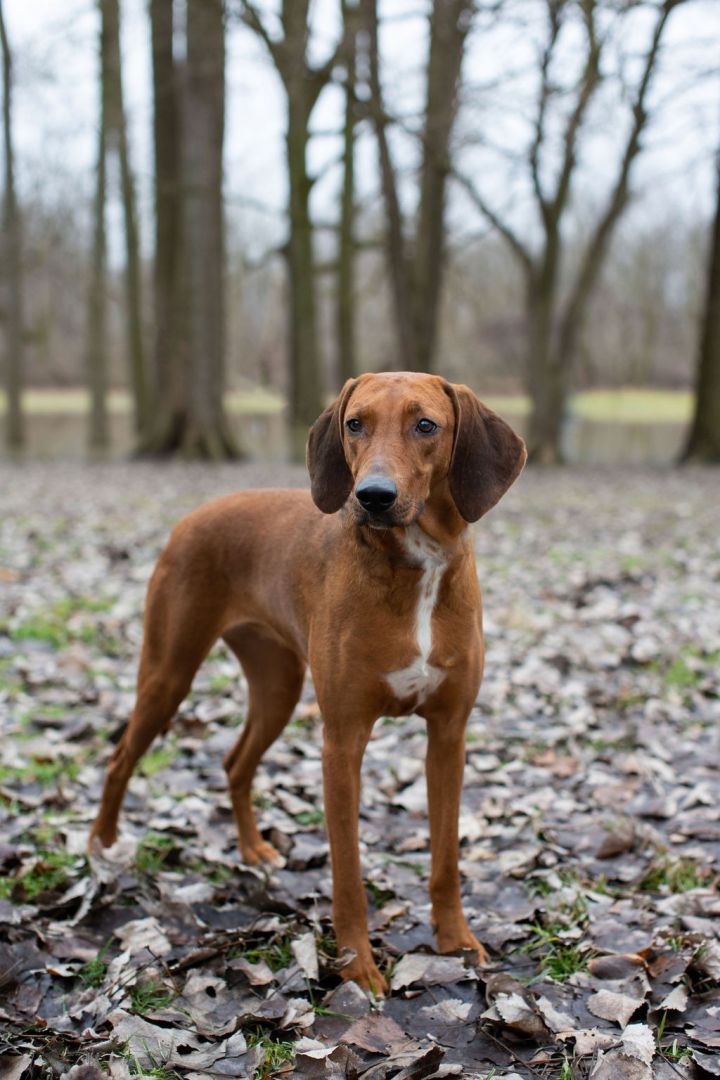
column 344, row 742
column 444, row 769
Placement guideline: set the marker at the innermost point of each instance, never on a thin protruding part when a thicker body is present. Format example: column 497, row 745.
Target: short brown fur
column 288, row 582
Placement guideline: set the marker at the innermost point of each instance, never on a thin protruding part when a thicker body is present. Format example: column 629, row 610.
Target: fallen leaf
column 613, row 1006
column 374, row 1032
column 618, row 841
column 619, row 966
column 304, row 950
column 12, row 1067
column 428, row 970
column 142, row 934
column 676, row 1000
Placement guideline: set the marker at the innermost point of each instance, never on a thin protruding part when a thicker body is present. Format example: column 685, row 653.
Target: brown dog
column 372, row 582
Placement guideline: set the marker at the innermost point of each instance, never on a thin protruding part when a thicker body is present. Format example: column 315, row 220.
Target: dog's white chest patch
column 420, row 678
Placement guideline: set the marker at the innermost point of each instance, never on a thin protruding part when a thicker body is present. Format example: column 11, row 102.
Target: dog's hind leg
column 180, row 629
column 275, row 676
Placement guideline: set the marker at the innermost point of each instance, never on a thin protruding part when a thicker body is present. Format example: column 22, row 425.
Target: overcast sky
column 56, row 107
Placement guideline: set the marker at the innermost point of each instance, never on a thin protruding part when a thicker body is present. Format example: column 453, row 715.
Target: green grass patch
column 566, row 1071
column 10, row 681
column 61, row 623
column 218, row 684
column 276, row 954
column 42, row 628
column 380, row 896
column 673, row 1051
column 213, row 872
column 681, row 676
column 416, row 867
column 310, row 817
column 76, row 402
column 557, row 959
column 156, row 760
column 538, row 886
column 93, row 973
column 624, row 405
column 50, row 874
column 150, row 995
column 623, row 742
column 634, row 405
column 278, row 1053
column 153, row 851
column 157, row 1072
column 39, row 772
column 675, row 876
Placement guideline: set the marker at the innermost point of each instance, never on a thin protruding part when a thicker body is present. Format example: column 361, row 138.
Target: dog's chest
column 420, row 678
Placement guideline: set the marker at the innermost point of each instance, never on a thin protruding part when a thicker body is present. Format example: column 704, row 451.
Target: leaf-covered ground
column 590, row 825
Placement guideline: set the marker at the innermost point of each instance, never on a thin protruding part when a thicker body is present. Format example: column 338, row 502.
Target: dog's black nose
column 376, row 493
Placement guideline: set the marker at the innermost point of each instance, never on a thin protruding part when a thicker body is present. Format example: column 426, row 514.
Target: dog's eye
column 425, row 426
column 354, row 425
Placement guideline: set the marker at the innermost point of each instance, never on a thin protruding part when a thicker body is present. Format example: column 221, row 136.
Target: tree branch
column 597, row 246
column 395, row 239
column 588, row 84
column 251, row 18
column 554, row 18
column 518, row 248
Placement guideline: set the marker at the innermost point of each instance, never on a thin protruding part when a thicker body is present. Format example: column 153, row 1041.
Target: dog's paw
column 462, row 939
column 261, row 852
column 366, row 974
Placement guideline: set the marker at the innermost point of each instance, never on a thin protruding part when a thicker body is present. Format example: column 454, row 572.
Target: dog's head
column 391, row 440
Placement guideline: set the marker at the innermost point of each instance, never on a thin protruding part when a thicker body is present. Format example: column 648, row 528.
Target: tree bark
column 170, row 360
column 397, row 258
column 188, row 415
column 97, row 366
column 12, row 228
column 704, row 439
column 449, row 24
column 552, row 331
column 303, row 83
column 206, row 434
column 549, row 383
column 306, row 398
column 416, row 269
column 347, row 365
column 117, row 137
column 546, row 377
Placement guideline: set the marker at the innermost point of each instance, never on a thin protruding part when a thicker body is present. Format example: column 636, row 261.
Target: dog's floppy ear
column 330, row 477
column 487, row 455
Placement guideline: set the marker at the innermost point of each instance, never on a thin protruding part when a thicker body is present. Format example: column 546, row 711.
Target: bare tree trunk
column 546, row 378
column 206, row 434
column 97, row 367
column 346, row 239
column 550, row 385
column 306, row 398
column 303, row 83
column 553, row 332
column 449, row 24
column 704, row 440
column 397, row 259
column 117, row 132
column 416, row 271
column 170, row 362
column 15, row 428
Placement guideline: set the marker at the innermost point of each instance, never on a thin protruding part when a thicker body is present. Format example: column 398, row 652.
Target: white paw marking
column 420, row 678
